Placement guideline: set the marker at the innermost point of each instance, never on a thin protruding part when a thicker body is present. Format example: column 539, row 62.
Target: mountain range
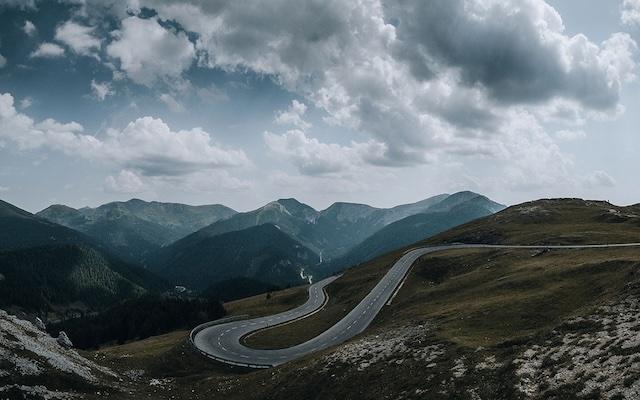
column 340, row 236
column 135, row 228
column 127, row 248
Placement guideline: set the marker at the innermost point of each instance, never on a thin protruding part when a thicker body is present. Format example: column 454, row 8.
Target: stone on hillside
column 40, row 325
column 64, row 341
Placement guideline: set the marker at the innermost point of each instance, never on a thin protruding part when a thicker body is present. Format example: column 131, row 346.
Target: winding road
column 222, row 342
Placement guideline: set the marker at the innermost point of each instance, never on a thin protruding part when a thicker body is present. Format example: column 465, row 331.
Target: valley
column 474, row 320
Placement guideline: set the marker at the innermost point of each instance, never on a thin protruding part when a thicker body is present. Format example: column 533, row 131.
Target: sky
column 371, row 101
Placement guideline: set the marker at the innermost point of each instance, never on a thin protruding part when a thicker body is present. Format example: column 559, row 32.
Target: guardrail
column 199, row 328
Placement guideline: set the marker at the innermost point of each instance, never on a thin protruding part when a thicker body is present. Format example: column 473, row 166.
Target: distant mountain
column 21, row 229
column 263, row 253
column 136, row 228
column 330, row 232
column 453, row 210
column 45, row 267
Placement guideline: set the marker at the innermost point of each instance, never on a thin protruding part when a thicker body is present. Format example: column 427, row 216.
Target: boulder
column 40, row 325
column 64, row 341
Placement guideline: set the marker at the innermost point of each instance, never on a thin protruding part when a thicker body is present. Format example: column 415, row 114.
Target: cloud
column 4, row 189
column 630, row 12
column 125, row 182
column 146, row 146
column 48, row 50
column 398, row 72
column 172, row 103
column 570, row 135
column 101, row 90
column 78, row 37
column 312, row 157
column 148, row 52
column 3, row 61
column 293, row 116
column 517, row 51
column 26, row 103
column 21, row 4
column 29, row 28
column 599, row 179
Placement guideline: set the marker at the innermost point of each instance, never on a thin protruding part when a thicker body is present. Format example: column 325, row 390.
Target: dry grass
column 344, row 294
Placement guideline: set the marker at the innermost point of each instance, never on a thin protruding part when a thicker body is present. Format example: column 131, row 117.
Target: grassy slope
column 563, row 221
column 474, row 304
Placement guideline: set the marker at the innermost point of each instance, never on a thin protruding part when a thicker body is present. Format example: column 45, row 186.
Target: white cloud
column 570, row 135
column 3, row 61
column 630, row 14
column 148, row 52
column 48, row 50
column 293, row 116
column 78, row 37
column 146, row 146
column 172, row 103
column 599, row 179
column 29, row 28
column 125, row 182
column 101, row 90
column 396, row 71
column 313, row 157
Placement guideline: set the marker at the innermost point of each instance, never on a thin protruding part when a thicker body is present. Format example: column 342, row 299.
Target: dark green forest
column 140, row 318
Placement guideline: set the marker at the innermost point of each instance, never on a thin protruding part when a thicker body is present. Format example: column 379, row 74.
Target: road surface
column 222, row 342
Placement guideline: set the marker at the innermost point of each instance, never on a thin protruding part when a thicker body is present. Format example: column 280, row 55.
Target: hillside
column 34, row 366
column 547, row 221
column 452, row 211
column 135, row 228
column 45, row 267
column 21, row 229
column 262, row 252
column 61, row 278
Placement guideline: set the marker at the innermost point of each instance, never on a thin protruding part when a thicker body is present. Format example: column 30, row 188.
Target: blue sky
column 240, row 102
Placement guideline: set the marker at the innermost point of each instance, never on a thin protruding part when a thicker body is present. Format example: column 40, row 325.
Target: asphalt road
column 222, row 342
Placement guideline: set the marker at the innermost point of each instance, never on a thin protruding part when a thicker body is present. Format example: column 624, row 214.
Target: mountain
column 453, row 210
column 45, row 266
column 330, row 232
column 21, row 229
column 135, row 228
column 262, row 252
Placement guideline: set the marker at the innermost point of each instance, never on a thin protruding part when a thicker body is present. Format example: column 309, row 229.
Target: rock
column 64, row 341
column 40, row 325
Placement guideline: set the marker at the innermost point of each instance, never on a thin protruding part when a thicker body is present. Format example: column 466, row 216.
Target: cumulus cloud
column 309, row 155
column 101, row 90
column 146, row 146
column 399, row 72
column 293, row 116
column 48, row 50
column 29, row 28
column 124, row 182
column 78, row 37
column 630, row 12
column 148, row 52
